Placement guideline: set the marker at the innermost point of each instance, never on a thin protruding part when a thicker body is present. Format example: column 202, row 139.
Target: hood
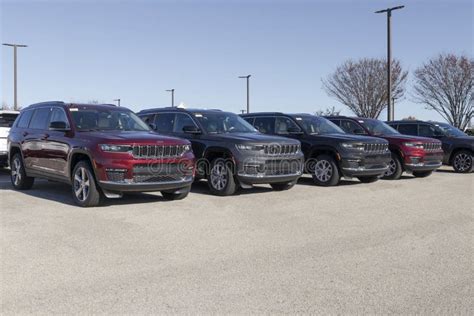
column 468, row 139
column 409, row 138
column 4, row 132
column 255, row 138
column 349, row 138
column 134, row 137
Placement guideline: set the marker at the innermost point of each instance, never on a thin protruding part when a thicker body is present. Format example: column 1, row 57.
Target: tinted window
column 408, row 129
column 164, row 122
column 217, row 122
column 182, row 120
column 316, row 125
column 40, row 118
column 249, row 119
column 24, row 119
column 265, row 125
column 7, row 120
column 352, row 127
column 58, row 115
column 282, row 124
column 148, row 118
column 426, row 130
column 106, row 119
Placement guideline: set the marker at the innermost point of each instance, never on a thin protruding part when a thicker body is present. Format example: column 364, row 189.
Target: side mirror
column 58, row 126
column 294, row 131
column 190, row 129
column 359, row 131
column 152, row 126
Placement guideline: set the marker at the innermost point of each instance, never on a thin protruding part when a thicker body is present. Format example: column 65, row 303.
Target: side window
column 352, row 127
column 408, row 129
column 40, row 118
column 24, row 119
column 282, row 124
column 148, row 118
column 265, row 125
column 426, row 130
column 58, row 115
column 337, row 122
column 249, row 120
column 182, row 120
column 164, row 122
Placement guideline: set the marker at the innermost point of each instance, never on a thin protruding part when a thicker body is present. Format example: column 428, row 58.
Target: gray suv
column 230, row 153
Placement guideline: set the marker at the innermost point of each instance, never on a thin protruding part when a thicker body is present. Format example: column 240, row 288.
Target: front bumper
column 428, row 162
column 124, row 186
column 359, row 166
column 263, row 170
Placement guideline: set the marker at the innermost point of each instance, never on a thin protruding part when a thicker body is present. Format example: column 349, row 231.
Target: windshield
column 6, row 120
column 449, row 130
column 105, row 119
column 222, row 122
column 378, row 128
column 315, row 125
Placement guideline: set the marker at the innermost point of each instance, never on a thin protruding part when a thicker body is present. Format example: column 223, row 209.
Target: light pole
column 172, row 97
column 248, row 91
column 15, row 98
column 390, row 110
column 118, row 102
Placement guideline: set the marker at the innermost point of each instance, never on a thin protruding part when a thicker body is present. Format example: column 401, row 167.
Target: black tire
column 325, row 172
column 421, row 174
column 282, row 186
column 395, row 168
column 18, row 177
column 174, row 195
column 84, row 187
column 462, row 161
column 368, row 179
column 220, row 179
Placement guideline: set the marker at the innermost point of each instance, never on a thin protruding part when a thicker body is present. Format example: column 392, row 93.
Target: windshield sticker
column 73, row 109
column 298, row 118
column 198, row 115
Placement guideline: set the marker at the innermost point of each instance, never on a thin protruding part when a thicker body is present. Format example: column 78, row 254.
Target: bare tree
column 446, row 84
column 409, row 118
column 328, row 112
column 362, row 85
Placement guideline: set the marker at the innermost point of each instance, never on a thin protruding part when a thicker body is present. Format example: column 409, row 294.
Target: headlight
column 248, row 147
column 414, row 145
column 353, row 146
column 116, row 148
column 186, row 148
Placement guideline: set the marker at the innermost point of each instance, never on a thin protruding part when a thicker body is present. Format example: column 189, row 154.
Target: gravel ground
column 387, row 247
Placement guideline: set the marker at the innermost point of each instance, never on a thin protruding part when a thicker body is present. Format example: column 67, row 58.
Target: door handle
column 45, row 136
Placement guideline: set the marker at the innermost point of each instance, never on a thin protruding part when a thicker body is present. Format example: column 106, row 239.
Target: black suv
column 329, row 152
column 229, row 151
column 458, row 147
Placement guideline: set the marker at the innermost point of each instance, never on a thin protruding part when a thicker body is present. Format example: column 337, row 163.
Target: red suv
column 98, row 150
column 417, row 155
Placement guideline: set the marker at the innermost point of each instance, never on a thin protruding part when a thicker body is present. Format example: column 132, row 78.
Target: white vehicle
column 6, row 121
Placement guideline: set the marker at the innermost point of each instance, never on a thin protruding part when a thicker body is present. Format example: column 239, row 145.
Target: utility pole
column 15, row 96
column 172, row 97
column 118, row 102
column 248, row 90
column 390, row 110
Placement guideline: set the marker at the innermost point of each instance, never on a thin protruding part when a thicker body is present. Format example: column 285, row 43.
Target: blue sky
column 135, row 50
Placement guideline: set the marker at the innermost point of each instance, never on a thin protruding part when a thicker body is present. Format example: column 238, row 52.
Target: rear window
column 6, row 120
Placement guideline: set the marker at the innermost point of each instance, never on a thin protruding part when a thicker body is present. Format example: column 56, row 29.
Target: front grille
column 275, row 168
column 115, row 175
column 160, row 173
column 431, row 146
column 277, row 149
column 375, row 148
column 158, row 151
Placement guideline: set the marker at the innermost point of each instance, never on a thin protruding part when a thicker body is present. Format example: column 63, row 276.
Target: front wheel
column 462, row 162
column 325, row 171
column 221, row 179
column 368, row 179
column 282, row 186
column 395, row 169
column 178, row 194
column 421, row 174
column 18, row 175
column 84, row 188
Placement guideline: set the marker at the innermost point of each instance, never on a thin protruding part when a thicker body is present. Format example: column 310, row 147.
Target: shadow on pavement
column 201, row 187
column 307, row 180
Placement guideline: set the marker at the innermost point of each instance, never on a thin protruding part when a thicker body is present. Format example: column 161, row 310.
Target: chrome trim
column 264, row 176
column 424, row 164
column 366, row 169
column 185, row 180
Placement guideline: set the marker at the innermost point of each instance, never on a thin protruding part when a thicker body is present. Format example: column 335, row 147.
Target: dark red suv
column 99, row 150
column 417, row 155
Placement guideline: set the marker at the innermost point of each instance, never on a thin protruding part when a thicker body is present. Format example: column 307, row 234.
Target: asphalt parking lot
column 387, row 247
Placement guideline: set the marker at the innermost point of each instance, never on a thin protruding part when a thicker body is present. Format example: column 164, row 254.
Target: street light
column 118, row 102
column 172, row 97
column 248, row 91
column 15, row 98
column 390, row 110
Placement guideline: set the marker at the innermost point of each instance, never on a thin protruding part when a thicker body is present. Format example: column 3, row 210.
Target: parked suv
column 418, row 155
column 6, row 121
column 98, row 149
column 230, row 152
column 458, row 147
column 329, row 152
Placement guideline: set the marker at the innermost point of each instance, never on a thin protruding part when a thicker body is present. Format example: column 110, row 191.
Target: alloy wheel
column 219, row 176
column 16, row 171
column 323, row 170
column 392, row 167
column 462, row 162
column 81, row 184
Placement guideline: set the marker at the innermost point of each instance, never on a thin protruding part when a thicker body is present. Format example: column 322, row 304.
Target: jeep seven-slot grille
column 158, row 151
column 375, row 148
column 276, row 149
column 431, row 146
